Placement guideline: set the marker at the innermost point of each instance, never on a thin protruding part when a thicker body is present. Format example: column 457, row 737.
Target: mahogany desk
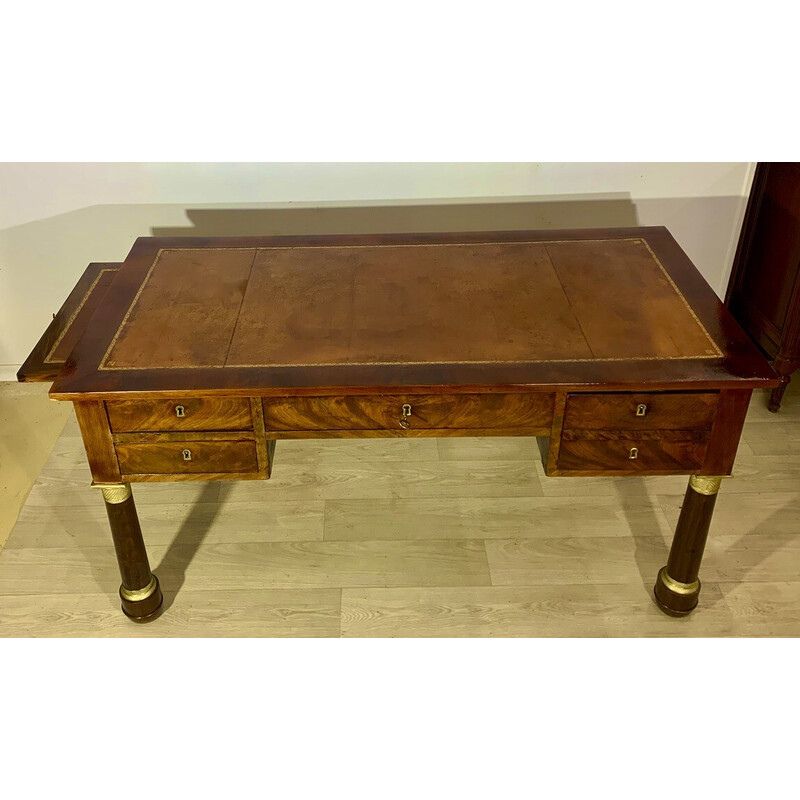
column 190, row 361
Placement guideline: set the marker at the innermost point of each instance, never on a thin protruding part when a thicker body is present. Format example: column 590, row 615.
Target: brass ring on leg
column 142, row 605
column 675, row 598
column 705, row 484
column 114, row 493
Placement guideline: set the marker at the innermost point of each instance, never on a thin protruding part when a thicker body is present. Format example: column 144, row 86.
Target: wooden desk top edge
column 741, row 366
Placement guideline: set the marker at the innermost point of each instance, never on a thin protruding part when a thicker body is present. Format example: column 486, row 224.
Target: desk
column 194, row 357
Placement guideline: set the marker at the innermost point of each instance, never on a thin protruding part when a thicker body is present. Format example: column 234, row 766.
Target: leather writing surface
column 627, row 307
column 185, row 312
column 400, row 304
column 472, row 302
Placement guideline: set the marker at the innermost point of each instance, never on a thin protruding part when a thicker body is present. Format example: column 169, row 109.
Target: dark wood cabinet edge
column 748, row 228
column 761, row 330
column 778, row 345
column 36, row 366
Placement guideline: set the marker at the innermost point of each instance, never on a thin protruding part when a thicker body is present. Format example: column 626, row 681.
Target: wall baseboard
column 8, row 372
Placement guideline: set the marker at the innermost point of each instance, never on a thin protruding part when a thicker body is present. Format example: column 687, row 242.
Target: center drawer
column 410, row 412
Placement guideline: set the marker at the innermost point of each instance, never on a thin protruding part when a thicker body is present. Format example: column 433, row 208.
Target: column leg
column 677, row 586
column 140, row 593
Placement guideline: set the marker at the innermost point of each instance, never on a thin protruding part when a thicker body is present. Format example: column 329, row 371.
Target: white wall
column 56, row 218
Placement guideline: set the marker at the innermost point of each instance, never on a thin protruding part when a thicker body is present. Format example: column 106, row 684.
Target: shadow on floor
column 188, row 540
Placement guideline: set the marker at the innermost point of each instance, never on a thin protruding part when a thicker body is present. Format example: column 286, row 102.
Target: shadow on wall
column 41, row 261
column 608, row 212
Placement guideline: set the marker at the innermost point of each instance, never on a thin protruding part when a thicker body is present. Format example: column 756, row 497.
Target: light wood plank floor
column 418, row 537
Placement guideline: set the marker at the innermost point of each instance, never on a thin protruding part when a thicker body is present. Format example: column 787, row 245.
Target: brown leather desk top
column 617, row 307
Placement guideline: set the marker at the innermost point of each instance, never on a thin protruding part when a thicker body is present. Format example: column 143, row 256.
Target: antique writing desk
column 190, row 360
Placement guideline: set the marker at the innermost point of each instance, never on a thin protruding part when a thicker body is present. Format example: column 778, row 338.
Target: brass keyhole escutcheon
column 405, row 422
column 180, row 411
column 187, row 455
column 641, row 410
column 634, row 453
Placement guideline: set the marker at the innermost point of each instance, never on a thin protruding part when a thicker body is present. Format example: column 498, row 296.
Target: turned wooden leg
column 140, row 593
column 677, row 586
column 776, row 395
column 784, row 367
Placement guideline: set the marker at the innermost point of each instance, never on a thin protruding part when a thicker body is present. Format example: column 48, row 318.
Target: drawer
column 670, row 454
column 167, row 458
column 640, row 411
column 422, row 412
column 189, row 414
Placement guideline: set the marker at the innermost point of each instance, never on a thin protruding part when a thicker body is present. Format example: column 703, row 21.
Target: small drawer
column 182, row 457
column 631, row 454
column 641, row 411
column 410, row 412
column 189, row 414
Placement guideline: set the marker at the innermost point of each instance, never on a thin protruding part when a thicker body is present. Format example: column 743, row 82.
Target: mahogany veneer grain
column 434, row 411
column 662, row 410
column 199, row 414
column 166, row 458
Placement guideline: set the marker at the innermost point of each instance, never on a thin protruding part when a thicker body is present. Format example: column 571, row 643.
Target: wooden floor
column 417, row 537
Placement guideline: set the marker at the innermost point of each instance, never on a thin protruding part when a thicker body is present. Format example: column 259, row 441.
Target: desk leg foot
column 776, row 395
column 677, row 586
column 140, row 592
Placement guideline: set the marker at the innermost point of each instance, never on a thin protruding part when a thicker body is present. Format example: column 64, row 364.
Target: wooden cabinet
column 764, row 290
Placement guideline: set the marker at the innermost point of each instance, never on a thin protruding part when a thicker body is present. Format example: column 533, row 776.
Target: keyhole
column 187, row 455
column 180, row 411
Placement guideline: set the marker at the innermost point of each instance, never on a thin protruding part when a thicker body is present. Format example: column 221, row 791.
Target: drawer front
column 190, row 414
column 379, row 412
column 167, row 458
column 614, row 455
column 656, row 411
